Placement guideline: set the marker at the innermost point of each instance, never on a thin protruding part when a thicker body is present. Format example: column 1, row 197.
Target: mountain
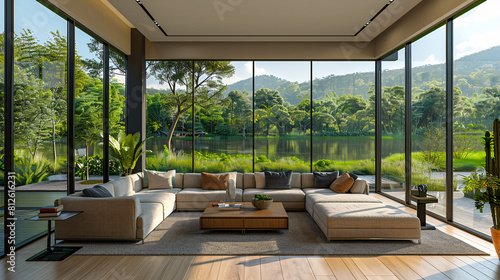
column 472, row 73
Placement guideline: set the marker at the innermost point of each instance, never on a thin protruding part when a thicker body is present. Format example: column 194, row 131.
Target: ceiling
column 262, row 20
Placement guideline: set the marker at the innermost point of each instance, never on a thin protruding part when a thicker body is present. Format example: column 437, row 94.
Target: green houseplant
column 487, row 181
column 127, row 149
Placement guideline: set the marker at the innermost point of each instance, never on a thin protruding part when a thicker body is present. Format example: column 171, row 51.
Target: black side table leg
column 422, row 215
column 48, row 236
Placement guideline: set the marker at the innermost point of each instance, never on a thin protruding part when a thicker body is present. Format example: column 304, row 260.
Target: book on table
column 51, row 209
column 46, row 215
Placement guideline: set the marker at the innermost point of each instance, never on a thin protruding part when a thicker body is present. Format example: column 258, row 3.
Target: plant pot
column 261, row 204
column 495, row 235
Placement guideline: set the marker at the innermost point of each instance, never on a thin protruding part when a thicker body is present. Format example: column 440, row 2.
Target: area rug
column 179, row 234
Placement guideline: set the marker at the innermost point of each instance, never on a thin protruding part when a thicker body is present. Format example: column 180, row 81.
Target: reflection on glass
column 343, row 121
column 282, row 106
column 40, row 113
column 429, row 116
column 393, row 125
column 477, row 87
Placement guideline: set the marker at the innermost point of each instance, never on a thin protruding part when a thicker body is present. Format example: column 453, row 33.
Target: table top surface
column 276, row 210
column 64, row 216
column 427, row 199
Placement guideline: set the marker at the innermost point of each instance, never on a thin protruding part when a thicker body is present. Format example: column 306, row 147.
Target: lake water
column 333, row 148
column 343, row 148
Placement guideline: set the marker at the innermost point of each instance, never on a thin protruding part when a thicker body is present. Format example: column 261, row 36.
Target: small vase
column 495, row 235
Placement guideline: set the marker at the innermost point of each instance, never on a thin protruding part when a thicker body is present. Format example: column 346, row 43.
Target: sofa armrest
column 102, row 218
column 360, row 186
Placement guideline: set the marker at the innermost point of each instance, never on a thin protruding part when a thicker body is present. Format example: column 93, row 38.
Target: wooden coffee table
column 248, row 218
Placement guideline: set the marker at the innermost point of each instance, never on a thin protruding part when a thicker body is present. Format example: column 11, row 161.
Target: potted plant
column 485, row 183
column 261, row 201
column 127, row 149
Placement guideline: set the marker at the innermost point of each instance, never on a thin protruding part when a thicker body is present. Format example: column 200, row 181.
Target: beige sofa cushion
column 179, row 181
column 197, row 194
column 249, row 180
column 122, row 186
column 279, row 195
column 360, row 186
column 364, row 215
column 309, row 191
column 164, row 197
column 307, row 180
column 150, row 218
column 260, row 180
column 313, row 199
column 296, row 180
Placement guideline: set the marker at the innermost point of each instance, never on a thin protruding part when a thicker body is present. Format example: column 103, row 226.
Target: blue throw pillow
column 278, row 180
column 96, row 191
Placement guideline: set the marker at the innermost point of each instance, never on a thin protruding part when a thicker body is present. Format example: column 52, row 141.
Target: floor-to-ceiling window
column 223, row 116
column 117, row 71
column 476, row 102
column 169, row 121
column 392, row 118
column 343, row 118
column 40, row 54
column 282, row 96
column 428, row 116
column 89, row 94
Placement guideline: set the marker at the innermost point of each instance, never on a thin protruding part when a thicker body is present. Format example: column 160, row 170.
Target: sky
column 476, row 30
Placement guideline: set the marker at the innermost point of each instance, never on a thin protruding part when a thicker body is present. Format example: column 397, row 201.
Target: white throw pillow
column 162, row 180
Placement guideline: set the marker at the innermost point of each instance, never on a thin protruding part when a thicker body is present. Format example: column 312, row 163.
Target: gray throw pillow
column 324, row 179
column 278, row 180
column 96, row 191
column 352, row 175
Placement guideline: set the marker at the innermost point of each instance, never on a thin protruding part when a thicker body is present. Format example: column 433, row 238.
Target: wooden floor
column 265, row 267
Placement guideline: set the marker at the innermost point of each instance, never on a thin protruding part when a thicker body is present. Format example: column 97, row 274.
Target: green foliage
column 31, row 170
column 262, row 197
column 127, row 150
column 95, row 166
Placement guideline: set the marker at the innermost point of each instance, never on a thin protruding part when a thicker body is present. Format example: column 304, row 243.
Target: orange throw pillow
column 214, row 182
column 343, row 183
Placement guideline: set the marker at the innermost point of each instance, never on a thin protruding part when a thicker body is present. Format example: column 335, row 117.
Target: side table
column 58, row 253
column 421, row 211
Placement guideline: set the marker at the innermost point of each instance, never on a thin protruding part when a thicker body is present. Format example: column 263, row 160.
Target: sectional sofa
column 135, row 210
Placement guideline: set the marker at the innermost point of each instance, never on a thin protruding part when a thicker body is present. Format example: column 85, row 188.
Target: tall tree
column 178, row 75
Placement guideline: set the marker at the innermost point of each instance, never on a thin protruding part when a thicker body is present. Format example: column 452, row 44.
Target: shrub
column 95, row 166
column 31, row 170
